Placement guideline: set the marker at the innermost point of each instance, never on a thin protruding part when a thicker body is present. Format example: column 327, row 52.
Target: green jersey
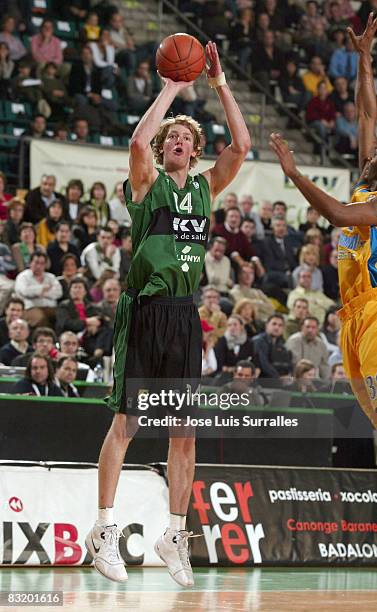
column 169, row 236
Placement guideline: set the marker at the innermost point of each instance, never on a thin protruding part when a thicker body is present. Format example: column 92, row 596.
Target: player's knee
column 124, row 428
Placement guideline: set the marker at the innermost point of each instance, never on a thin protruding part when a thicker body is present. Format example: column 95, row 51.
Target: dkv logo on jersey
column 223, row 513
column 192, row 229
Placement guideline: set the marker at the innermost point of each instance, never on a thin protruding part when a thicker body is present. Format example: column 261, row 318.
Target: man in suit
column 280, row 260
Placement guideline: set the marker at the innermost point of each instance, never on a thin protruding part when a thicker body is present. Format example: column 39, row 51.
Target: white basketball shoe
column 172, row 548
column 103, row 544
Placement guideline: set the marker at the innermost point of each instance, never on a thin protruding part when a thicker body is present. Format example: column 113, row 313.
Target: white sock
column 177, row 522
column 106, row 516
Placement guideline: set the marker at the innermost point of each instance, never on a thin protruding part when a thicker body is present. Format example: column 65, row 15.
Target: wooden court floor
column 216, row 590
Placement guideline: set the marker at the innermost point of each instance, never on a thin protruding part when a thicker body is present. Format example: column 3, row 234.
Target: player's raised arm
column 365, row 98
column 230, row 160
column 142, row 171
column 337, row 213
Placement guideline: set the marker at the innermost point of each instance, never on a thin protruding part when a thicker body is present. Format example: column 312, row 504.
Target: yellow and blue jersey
column 357, row 253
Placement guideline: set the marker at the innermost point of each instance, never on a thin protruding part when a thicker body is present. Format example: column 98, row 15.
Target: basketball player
column 157, row 328
column 357, row 250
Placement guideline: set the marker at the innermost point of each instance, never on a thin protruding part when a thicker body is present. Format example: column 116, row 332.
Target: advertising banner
column 47, row 513
column 262, row 180
column 255, row 516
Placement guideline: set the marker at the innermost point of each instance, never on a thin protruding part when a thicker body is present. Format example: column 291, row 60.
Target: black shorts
column 158, row 348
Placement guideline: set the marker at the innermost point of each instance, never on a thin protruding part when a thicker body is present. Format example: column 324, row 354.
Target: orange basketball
column 180, row 57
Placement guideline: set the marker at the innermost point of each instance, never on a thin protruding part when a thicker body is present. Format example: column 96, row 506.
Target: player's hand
column 214, row 67
column 363, row 43
column 177, row 85
column 286, row 159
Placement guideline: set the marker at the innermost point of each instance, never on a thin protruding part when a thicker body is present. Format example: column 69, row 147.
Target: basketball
column 180, row 57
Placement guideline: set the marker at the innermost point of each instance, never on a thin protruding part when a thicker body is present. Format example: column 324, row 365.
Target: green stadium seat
column 17, row 112
column 105, row 141
column 65, row 30
column 128, row 119
column 211, row 130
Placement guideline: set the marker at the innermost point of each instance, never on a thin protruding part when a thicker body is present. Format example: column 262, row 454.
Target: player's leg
column 102, row 540
column 367, row 352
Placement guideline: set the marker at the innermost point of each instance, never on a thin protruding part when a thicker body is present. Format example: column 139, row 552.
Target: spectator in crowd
column 238, row 248
column 210, row 311
column 246, row 207
column 54, row 91
column 104, row 58
column 37, row 128
column 16, row 48
column 70, row 269
column 331, row 278
column 7, row 265
column 265, row 215
column 98, row 202
column 320, row 112
column 73, row 10
column 18, row 342
column 343, row 62
column 277, row 16
column 43, row 342
column 4, row 197
column 318, row 301
column 70, row 347
column 345, row 7
column 280, row 260
column 300, row 310
column 304, row 374
column 230, row 201
column 273, row 359
column 336, row 355
column 306, row 344
column 140, row 89
column 40, row 291
column 59, row 247
column 209, row 361
column 91, row 29
column 22, row 91
column 74, row 193
column 46, row 228
column 77, row 313
column 101, row 255
column 309, row 260
column 14, row 309
column 267, row 60
column 217, row 266
column 366, row 8
column 61, row 132
column 248, row 228
column 80, row 133
column 312, row 218
column 218, row 19
column 333, row 244
column 280, row 210
column 315, row 75
column 262, row 26
column 118, row 208
column 233, row 346
column 318, row 44
column 66, row 372
column 245, row 381
column 241, row 38
column 23, row 250
column 309, row 20
column 245, row 289
column 122, row 41
column 314, row 236
column 38, row 199
column 45, row 47
column 39, row 378
column 111, row 293
column 336, row 18
column 84, row 83
column 346, row 131
column 331, row 325
column 13, row 223
column 86, row 230
column 341, row 94
column 125, row 254
column 292, row 86
column 244, row 308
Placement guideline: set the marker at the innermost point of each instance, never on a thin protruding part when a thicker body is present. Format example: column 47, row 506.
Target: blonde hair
column 309, row 249
column 303, row 366
column 312, row 233
column 185, row 120
column 240, row 305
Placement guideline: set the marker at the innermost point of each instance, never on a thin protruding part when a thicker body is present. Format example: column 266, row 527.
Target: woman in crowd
column 77, row 313
column 85, row 232
column 209, row 362
column 23, row 250
column 245, row 309
column 98, row 202
column 96, row 293
column 233, row 346
column 74, row 193
column 331, row 326
column 304, row 375
column 47, row 227
column 4, row 197
column 309, row 260
column 118, row 208
column 70, row 269
column 13, row 224
column 6, row 68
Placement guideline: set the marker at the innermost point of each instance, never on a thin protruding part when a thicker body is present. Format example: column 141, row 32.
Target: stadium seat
column 17, row 112
column 105, row 141
column 211, row 130
column 65, row 30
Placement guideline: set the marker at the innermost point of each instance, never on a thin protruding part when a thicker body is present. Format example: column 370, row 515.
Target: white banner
column 47, row 513
column 264, row 181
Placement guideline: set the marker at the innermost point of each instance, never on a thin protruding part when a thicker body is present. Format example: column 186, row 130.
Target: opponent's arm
column 365, row 96
column 142, row 171
column 230, row 160
column 338, row 214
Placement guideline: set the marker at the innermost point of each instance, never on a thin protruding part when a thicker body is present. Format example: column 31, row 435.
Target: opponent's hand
column 213, row 69
column 177, row 85
column 286, row 159
column 363, row 43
